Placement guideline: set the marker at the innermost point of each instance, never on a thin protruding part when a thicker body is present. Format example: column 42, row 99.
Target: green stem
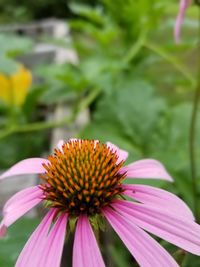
column 89, row 99
column 172, row 60
column 180, row 256
column 135, row 48
column 31, row 127
column 192, row 138
column 143, row 42
column 39, row 126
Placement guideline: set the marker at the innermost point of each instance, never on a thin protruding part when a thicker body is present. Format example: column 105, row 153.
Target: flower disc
column 83, row 177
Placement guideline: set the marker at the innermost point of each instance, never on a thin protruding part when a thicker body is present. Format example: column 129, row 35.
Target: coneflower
column 83, row 180
column 184, row 4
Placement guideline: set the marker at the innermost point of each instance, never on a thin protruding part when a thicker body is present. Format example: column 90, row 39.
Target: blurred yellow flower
column 14, row 88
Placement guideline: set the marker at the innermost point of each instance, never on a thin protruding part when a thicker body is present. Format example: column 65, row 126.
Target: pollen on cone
column 83, row 177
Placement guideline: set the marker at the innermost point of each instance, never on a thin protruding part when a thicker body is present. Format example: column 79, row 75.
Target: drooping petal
column 122, row 154
column 21, row 197
column 86, row 251
column 3, row 230
column 18, row 205
column 26, row 166
column 146, row 168
column 33, row 250
column 53, row 247
column 158, row 198
column 144, row 249
column 175, row 229
column 180, row 18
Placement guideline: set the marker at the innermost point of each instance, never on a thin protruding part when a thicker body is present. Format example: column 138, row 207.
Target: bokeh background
column 107, row 70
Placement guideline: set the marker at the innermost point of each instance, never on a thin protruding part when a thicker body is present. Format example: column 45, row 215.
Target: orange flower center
column 83, row 177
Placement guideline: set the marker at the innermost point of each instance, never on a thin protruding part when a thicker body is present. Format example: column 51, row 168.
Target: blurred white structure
column 45, row 53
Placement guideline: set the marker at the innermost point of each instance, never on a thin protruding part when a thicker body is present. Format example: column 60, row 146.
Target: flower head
column 83, row 179
column 184, row 4
column 14, row 88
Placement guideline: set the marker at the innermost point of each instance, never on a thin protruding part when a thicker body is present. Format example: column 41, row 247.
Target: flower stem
column 31, row 127
column 176, row 64
column 192, row 137
column 192, row 150
column 40, row 126
column 180, row 256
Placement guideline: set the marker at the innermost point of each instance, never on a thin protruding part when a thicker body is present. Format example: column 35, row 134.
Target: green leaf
column 93, row 14
column 8, row 66
column 124, row 114
column 15, row 240
column 13, row 45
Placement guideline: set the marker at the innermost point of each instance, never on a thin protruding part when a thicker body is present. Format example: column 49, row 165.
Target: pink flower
column 184, row 4
column 85, row 178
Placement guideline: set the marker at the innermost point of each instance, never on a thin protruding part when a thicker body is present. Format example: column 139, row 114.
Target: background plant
column 137, row 83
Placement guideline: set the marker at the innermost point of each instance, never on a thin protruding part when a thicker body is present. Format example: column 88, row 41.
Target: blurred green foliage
column 137, row 83
column 21, row 11
column 15, row 240
column 12, row 47
column 30, row 10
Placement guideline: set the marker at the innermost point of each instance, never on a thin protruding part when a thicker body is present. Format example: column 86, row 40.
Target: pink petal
column 22, row 196
column 180, row 18
column 3, row 230
column 27, row 166
column 86, row 251
column 145, row 249
column 33, row 250
column 158, row 198
column 53, row 247
column 122, row 154
column 175, row 229
column 19, row 204
column 146, row 168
